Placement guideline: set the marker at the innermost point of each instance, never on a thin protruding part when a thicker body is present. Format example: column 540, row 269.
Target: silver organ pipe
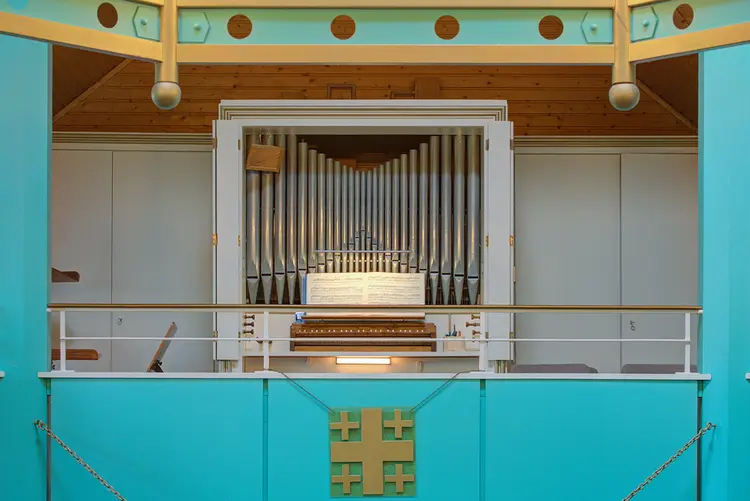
column 459, row 196
column 279, row 218
column 252, row 230
column 414, row 255
column 395, row 208
column 424, row 206
column 368, row 220
column 345, row 217
column 424, row 182
column 337, row 216
column 312, row 192
column 330, row 196
column 321, row 245
column 472, row 219
column 387, row 244
column 381, row 223
column 357, row 227
column 404, row 224
column 298, row 262
column 445, row 210
column 434, row 257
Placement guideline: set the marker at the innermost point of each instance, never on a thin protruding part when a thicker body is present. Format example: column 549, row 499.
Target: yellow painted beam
column 687, row 43
column 394, row 54
column 83, row 38
column 398, row 4
column 157, row 3
column 638, row 3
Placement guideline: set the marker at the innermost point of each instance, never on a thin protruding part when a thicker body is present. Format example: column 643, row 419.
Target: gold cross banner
column 372, row 452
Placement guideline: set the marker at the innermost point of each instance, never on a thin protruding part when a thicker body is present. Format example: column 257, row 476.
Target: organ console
column 305, row 335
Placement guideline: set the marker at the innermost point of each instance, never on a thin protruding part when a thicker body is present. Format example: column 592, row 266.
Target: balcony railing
column 483, row 341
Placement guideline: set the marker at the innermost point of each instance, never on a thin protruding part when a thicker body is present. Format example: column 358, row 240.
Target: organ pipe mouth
column 363, row 360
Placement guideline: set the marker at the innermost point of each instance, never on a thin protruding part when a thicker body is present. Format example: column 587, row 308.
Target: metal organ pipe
column 424, row 181
column 312, row 257
column 368, row 219
column 459, row 196
column 434, row 257
column 413, row 256
column 396, row 206
column 298, row 263
column 252, row 230
column 404, row 239
column 337, row 216
column 381, row 222
column 345, row 217
column 445, row 209
column 321, row 245
column 424, row 206
column 472, row 220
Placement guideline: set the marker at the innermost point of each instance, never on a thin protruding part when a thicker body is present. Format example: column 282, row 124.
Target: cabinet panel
column 567, row 251
column 162, row 206
column 659, row 251
column 81, row 227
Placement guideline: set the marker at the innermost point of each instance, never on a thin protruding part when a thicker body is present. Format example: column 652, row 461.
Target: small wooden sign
column 264, row 158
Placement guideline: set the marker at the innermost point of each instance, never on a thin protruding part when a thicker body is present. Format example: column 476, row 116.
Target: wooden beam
column 671, row 109
column 106, row 78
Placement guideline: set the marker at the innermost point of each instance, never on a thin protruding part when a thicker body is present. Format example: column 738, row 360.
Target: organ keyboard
column 306, row 334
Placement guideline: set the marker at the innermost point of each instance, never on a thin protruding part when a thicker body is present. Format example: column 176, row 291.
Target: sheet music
column 366, row 288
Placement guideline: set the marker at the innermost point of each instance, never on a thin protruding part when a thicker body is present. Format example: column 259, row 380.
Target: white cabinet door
column 497, row 273
column 567, row 251
column 162, row 253
column 81, row 225
column 659, row 252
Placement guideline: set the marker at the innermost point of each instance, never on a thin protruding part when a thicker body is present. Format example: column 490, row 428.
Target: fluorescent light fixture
column 363, row 360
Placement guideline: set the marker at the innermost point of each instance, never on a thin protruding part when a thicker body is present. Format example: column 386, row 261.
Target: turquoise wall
column 25, row 145
column 545, row 440
column 724, row 179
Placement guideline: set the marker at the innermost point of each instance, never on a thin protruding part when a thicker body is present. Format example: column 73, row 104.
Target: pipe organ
column 417, row 212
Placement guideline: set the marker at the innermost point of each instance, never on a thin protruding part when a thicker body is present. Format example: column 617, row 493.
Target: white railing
column 483, row 341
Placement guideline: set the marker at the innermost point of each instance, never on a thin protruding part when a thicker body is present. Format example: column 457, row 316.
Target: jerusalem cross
column 363, row 445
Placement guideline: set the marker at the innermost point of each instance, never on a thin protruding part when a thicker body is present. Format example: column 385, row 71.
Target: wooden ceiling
column 95, row 92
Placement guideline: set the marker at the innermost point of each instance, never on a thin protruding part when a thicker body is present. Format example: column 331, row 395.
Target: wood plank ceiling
column 94, row 92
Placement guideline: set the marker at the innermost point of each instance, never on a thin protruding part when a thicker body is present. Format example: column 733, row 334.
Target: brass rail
column 271, row 308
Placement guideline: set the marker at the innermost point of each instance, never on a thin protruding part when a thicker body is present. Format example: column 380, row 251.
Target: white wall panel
column 162, row 206
column 659, row 251
column 81, row 227
column 567, row 251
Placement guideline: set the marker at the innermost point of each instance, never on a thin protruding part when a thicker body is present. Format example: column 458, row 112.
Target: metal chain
column 39, row 424
column 671, row 460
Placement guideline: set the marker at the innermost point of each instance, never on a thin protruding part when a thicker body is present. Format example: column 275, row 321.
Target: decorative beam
column 618, row 33
column 668, row 107
column 78, row 100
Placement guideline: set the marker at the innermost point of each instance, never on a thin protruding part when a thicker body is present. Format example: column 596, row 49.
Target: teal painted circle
column 18, row 4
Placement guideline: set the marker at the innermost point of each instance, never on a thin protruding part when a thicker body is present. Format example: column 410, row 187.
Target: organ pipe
column 388, row 245
column 413, row 256
column 404, row 224
column 472, row 220
column 312, row 192
column 321, row 244
column 381, row 210
column 459, row 194
column 395, row 207
column 252, row 230
column 424, row 181
column 345, row 208
column 423, row 206
column 337, row 216
column 434, row 257
column 445, row 209
column 299, row 264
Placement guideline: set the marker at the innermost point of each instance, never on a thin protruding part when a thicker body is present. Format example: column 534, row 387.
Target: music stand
column 155, row 365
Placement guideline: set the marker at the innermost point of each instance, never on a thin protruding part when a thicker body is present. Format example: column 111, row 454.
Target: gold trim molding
column 520, row 141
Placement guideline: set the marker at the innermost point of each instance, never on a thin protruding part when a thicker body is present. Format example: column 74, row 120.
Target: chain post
column 671, row 460
column 39, row 424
